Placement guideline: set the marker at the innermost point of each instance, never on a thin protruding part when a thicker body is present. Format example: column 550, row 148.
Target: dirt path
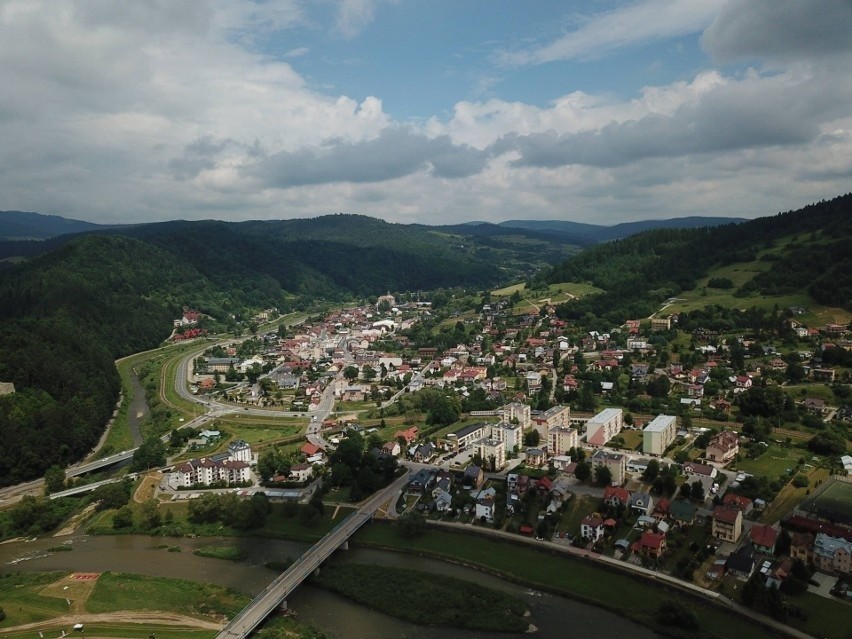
column 74, row 523
column 147, row 617
column 148, row 488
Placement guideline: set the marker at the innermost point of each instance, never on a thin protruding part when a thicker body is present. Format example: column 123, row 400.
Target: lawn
column 773, row 463
column 791, row 496
column 21, row 598
column 574, row 511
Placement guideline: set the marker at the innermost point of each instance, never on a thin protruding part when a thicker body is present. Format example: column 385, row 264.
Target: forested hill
column 640, row 272
column 64, row 318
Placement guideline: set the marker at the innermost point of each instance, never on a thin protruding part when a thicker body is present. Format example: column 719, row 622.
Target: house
column 723, row 447
column 659, row 434
column 832, row 555
column 443, row 502
column 615, row 496
column 701, row 470
column 741, row 562
column 682, row 512
column 802, row 546
column 311, row 450
column 408, row 435
column 421, row 481
column 423, row 453
column 730, row 500
column 640, row 503
column 660, row 511
column 535, row 457
column 650, row 544
column 592, row 528
column 485, row 504
column 473, row 477
column 301, row 472
column 763, row 538
column 727, row 523
column 814, row 405
column 391, row 448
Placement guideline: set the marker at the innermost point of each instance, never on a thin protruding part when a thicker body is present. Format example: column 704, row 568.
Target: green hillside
column 795, row 258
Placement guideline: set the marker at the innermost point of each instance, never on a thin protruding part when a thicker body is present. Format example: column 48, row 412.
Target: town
column 663, row 443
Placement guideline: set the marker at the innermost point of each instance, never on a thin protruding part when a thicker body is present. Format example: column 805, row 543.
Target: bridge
column 276, row 593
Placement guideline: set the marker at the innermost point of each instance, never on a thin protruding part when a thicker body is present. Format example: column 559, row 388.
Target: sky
column 434, row 112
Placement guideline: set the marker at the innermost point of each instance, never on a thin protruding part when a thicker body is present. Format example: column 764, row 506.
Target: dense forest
column 640, row 272
column 64, row 318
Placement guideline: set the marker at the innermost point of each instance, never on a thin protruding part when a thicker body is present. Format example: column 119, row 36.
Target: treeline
column 640, row 272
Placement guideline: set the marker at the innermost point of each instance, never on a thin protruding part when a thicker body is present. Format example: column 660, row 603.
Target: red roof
column 725, row 514
column 763, row 536
column 737, row 501
column 652, row 540
column 622, row 494
column 310, row 449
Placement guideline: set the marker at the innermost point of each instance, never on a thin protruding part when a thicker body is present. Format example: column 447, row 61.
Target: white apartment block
column 657, row 435
column 488, row 448
column 604, row 426
column 519, row 412
column 508, row 433
column 561, row 439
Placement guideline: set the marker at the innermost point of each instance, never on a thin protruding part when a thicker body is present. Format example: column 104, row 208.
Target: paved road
column 278, row 591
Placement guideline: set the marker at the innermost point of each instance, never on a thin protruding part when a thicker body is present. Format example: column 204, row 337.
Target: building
column 492, row 452
column 508, row 433
column 616, row 462
column 763, row 538
column 592, row 528
column 468, row 435
column 659, row 434
column 723, row 448
column 651, row 544
column 661, row 323
column 832, row 555
column 518, row 413
column 604, row 426
column 561, row 439
column 555, row 416
column 727, row 523
column 239, row 450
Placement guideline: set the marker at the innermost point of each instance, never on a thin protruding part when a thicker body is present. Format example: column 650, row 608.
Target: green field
column 834, row 500
column 773, row 463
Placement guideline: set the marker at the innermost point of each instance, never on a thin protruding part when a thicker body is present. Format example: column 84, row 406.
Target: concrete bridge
column 276, row 593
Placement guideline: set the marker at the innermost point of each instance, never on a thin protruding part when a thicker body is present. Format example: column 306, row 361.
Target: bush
column 671, row 613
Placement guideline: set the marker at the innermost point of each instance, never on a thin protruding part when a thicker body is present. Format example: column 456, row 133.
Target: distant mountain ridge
column 594, row 233
column 25, row 225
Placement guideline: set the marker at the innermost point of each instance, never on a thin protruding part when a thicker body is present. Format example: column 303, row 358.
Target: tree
column 651, row 472
column 151, row 454
column 532, row 438
column 697, row 490
column 369, row 373
column 123, row 518
column 350, row 373
column 685, row 490
column 151, row 514
column 603, row 475
column 582, row 471
column 54, row 479
column 671, row 613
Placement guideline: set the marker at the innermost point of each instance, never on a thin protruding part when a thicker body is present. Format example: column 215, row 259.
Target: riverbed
column 554, row 616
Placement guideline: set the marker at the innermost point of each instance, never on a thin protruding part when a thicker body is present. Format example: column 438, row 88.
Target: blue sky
column 434, row 112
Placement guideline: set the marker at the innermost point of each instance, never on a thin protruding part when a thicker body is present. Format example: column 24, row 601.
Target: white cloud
column 353, row 16
column 638, row 22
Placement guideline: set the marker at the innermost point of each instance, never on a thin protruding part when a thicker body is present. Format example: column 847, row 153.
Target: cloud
column 353, row 16
column 635, row 23
column 751, row 113
column 396, row 152
column 780, row 30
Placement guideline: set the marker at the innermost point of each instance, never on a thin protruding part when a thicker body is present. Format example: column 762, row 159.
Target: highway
column 277, row 592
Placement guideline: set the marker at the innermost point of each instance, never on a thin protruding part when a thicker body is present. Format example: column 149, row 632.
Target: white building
column 561, row 439
column 519, row 412
column 230, row 468
column 555, row 416
column 657, row 435
column 604, row 426
column 508, row 433
column 488, row 448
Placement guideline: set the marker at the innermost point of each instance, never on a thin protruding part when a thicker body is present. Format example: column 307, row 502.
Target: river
column 554, row 616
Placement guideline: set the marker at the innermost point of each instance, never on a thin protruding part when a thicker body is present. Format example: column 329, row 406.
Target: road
column 277, row 592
